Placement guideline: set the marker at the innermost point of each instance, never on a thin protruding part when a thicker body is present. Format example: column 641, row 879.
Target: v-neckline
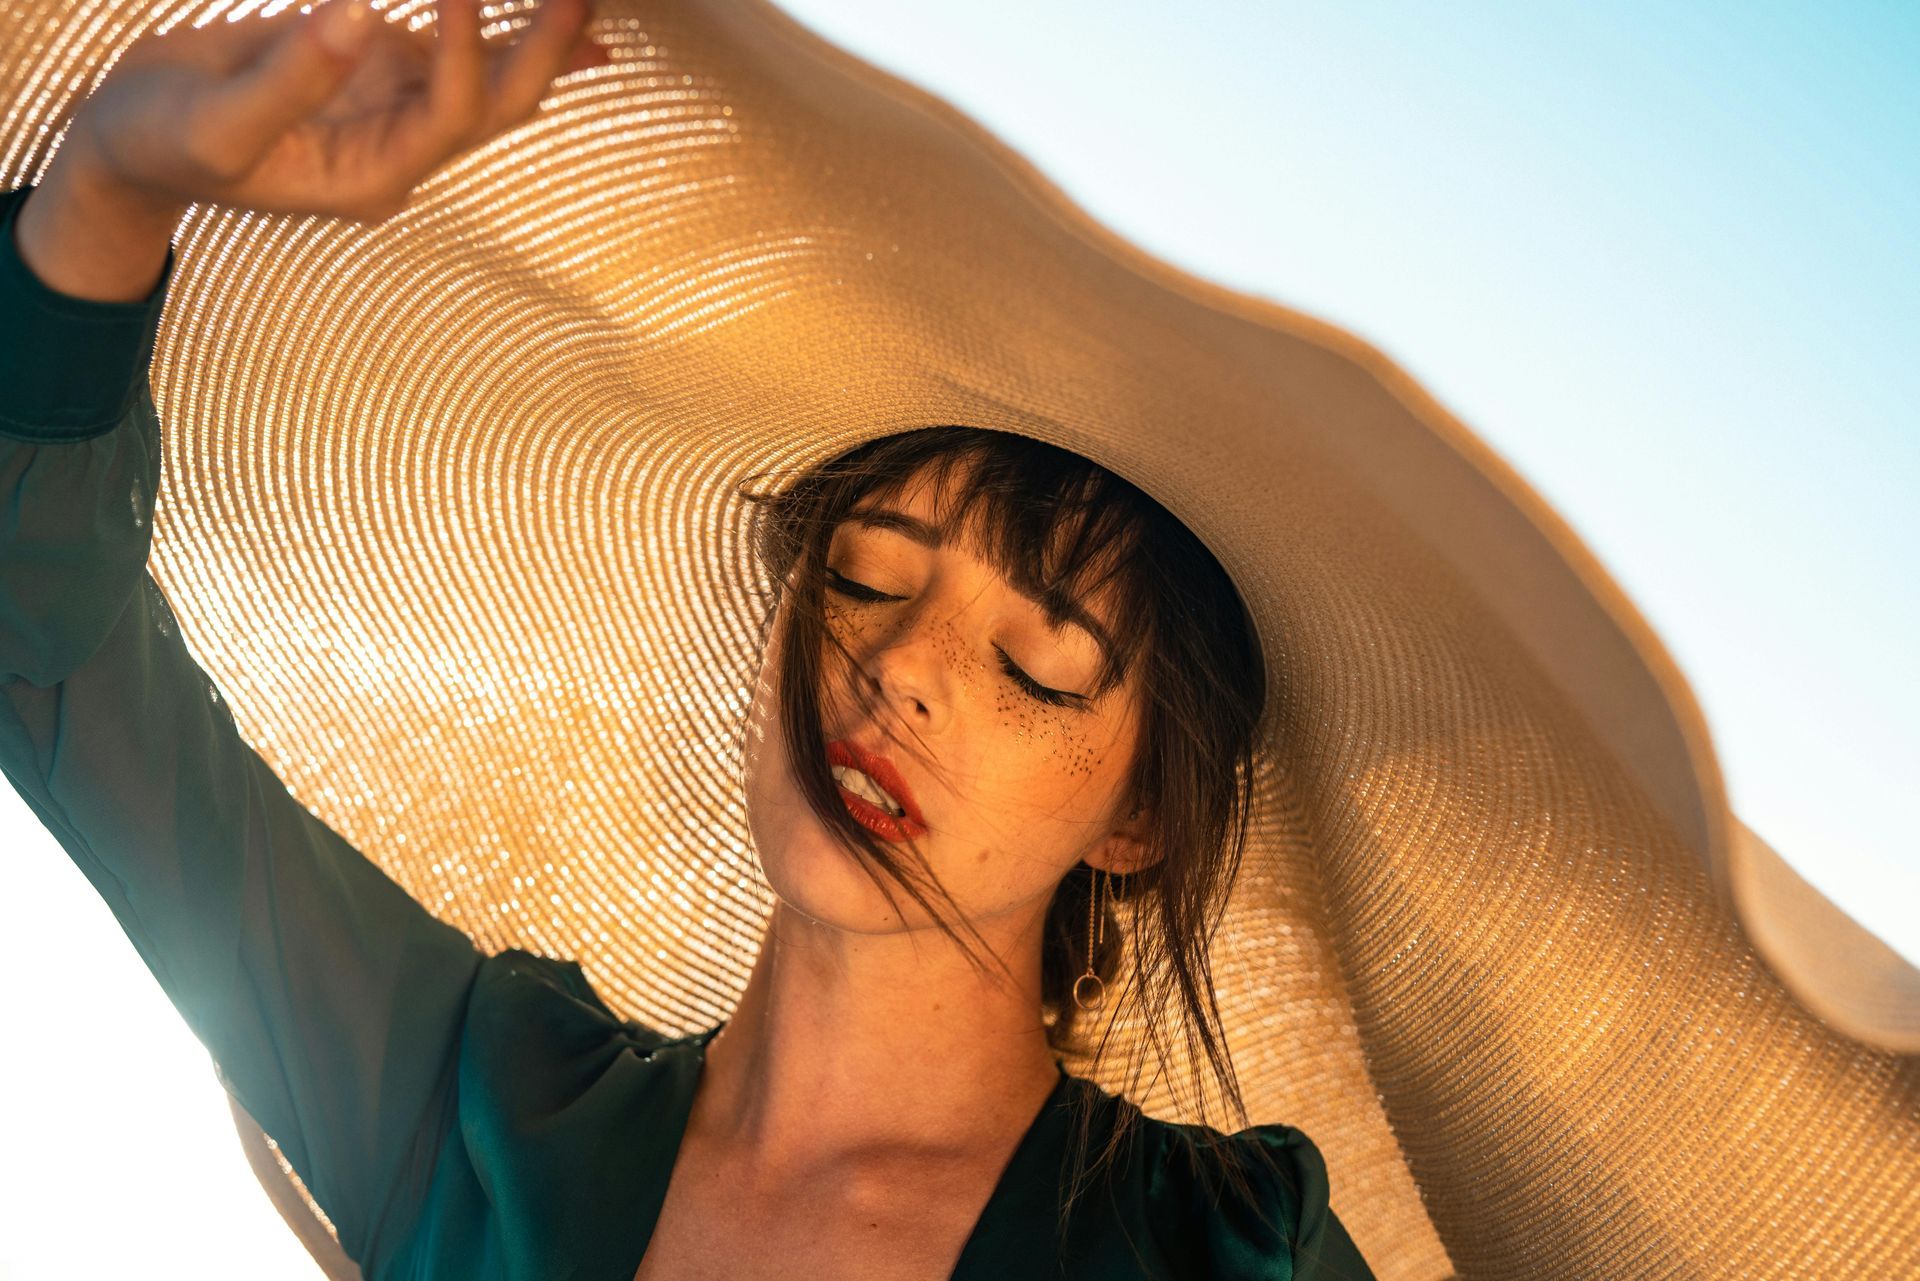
column 1023, row 1169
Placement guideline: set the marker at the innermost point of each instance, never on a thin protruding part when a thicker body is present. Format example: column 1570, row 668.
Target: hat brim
column 1835, row 966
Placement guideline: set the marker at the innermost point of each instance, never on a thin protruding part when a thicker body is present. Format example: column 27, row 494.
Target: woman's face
column 1014, row 791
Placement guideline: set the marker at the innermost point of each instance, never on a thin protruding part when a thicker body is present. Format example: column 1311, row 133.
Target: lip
column 882, row 824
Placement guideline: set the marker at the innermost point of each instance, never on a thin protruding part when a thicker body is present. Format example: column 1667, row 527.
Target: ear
column 1126, row 847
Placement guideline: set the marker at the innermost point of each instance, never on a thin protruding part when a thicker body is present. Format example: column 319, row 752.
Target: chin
column 807, row 868
column 813, row 876
column 819, row 880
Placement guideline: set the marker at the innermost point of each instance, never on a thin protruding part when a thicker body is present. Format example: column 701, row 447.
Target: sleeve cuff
column 70, row 367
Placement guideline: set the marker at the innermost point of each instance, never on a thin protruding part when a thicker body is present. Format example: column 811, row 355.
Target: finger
column 550, row 46
column 434, row 130
column 248, row 111
column 228, row 43
column 457, row 94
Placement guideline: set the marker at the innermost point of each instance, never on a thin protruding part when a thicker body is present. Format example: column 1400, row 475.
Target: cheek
column 800, row 860
column 1053, row 758
column 1044, row 787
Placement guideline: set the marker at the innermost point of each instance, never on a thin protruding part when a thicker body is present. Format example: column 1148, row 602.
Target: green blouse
column 459, row 1116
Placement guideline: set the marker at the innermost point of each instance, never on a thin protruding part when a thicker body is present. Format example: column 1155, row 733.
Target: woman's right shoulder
column 525, row 1003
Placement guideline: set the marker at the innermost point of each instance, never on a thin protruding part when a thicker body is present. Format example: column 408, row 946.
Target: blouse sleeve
column 330, row 1001
column 1312, row 1245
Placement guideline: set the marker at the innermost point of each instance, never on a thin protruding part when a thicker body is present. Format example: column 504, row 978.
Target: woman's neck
column 876, row 1043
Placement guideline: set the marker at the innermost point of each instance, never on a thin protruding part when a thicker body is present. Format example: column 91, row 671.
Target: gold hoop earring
column 1100, row 993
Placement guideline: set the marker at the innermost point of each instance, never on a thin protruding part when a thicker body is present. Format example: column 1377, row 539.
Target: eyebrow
column 1071, row 613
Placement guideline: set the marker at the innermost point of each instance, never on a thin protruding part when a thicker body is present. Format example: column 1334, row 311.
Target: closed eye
column 1052, row 697
column 859, row 591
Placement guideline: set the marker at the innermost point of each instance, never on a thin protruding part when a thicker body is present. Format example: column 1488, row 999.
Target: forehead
column 927, row 499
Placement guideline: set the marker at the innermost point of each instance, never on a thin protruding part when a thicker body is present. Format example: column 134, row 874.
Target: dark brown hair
column 1063, row 528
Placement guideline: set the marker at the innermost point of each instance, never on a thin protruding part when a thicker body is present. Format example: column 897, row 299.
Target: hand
column 265, row 114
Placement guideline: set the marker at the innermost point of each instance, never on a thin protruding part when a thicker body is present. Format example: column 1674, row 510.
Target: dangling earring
column 1100, row 995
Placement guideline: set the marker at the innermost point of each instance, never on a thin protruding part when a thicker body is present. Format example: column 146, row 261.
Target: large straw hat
column 450, row 516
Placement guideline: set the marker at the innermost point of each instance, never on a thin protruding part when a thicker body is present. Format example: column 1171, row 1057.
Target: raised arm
column 331, row 1001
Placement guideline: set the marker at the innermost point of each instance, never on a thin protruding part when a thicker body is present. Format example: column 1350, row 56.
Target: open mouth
column 874, row 792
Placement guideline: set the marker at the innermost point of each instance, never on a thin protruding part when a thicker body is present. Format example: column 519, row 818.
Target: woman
column 994, row 670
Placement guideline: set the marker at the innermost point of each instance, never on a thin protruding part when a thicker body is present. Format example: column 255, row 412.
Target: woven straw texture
column 449, row 516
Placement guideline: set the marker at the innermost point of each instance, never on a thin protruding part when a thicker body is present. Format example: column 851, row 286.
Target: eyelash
column 1052, row 697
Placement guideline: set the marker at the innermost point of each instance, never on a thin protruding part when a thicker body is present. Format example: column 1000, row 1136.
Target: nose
column 910, row 665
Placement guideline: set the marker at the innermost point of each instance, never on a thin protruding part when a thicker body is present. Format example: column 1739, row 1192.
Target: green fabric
column 457, row 1115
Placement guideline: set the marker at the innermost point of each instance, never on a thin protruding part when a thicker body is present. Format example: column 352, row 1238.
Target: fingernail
column 345, row 25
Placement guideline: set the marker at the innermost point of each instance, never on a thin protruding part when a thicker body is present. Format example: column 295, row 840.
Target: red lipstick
column 886, row 826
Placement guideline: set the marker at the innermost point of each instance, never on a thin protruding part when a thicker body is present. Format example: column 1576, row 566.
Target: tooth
column 875, row 793
column 861, row 785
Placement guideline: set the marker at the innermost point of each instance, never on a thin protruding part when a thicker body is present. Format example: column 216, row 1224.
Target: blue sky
column 1661, row 258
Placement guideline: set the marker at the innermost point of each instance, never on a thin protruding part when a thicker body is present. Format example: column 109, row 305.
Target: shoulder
column 1260, row 1184
column 1273, row 1220
column 560, row 1099
column 541, row 1051
column 531, row 1014
column 1187, row 1165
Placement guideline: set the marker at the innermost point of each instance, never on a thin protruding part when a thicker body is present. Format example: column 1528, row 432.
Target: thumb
column 293, row 76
